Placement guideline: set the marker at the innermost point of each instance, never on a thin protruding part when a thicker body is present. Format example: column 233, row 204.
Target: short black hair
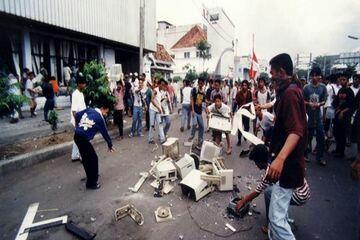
column 105, row 103
column 259, row 154
column 343, row 74
column 262, row 79
column 217, row 96
column 246, row 82
column 53, row 78
column 187, row 82
column 283, row 61
column 80, row 79
column 162, row 80
column 211, row 81
column 201, row 79
column 315, row 71
column 218, row 81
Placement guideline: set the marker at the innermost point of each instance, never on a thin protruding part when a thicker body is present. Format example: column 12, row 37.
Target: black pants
column 118, row 120
column 147, row 119
column 340, row 133
column 246, row 123
column 89, row 160
column 49, row 105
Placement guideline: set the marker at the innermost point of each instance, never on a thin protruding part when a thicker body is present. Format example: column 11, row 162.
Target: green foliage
column 158, row 75
column 321, row 62
column 191, row 74
column 8, row 100
column 97, row 88
column 53, row 119
column 204, row 75
column 177, row 79
column 203, row 47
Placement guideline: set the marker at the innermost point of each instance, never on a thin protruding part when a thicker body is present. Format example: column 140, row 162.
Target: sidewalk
column 31, row 127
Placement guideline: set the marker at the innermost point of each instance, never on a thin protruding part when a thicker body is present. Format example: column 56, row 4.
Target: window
column 197, row 54
column 214, row 17
column 186, row 54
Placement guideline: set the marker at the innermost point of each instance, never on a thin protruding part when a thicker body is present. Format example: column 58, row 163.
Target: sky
column 294, row 26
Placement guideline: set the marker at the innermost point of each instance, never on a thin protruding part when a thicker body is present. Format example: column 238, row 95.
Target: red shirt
column 290, row 118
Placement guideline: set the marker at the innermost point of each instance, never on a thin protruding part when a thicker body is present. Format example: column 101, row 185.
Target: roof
column 161, row 54
column 191, row 38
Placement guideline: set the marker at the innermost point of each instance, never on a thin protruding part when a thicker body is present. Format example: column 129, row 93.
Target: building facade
column 56, row 32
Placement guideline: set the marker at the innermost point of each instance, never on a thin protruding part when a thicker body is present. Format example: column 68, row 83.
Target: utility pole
column 309, row 67
column 324, row 71
column 142, row 37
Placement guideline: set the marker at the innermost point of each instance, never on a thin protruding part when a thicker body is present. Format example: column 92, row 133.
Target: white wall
column 117, row 20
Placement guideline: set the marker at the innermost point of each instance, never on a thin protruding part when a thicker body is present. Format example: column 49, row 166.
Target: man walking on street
column 315, row 95
column 155, row 115
column 48, row 93
column 77, row 105
column 30, row 93
column 165, row 106
column 139, row 104
column 197, row 100
column 288, row 145
column 186, row 108
column 88, row 123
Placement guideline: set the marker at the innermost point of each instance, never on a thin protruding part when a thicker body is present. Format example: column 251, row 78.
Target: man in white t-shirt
column 165, row 103
column 186, row 105
column 266, row 122
column 139, row 104
column 355, row 86
column 30, row 93
column 67, row 74
column 233, row 93
column 155, row 115
column 77, row 105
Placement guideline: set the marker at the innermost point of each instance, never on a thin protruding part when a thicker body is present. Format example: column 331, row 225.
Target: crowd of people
column 289, row 113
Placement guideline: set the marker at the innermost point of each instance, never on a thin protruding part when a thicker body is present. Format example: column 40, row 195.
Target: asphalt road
column 332, row 213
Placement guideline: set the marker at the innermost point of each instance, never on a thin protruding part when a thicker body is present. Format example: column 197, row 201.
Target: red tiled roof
column 161, row 54
column 191, row 38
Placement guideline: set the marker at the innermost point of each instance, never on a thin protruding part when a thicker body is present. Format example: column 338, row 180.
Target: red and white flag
column 254, row 68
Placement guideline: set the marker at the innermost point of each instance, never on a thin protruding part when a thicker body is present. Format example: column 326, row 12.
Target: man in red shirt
column 287, row 147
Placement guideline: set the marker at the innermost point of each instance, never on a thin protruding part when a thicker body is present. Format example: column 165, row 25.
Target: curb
column 28, row 159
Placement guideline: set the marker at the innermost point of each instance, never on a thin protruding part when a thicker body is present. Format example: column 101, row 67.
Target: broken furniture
column 163, row 214
column 129, row 210
column 185, row 165
column 171, row 148
column 209, row 151
column 142, row 179
column 166, row 188
column 194, row 187
column 220, row 123
column 79, row 232
column 28, row 225
column 165, row 170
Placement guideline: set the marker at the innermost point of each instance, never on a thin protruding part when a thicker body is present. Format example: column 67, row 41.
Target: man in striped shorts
column 260, row 156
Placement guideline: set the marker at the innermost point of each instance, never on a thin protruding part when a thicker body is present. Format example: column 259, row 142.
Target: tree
column 191, row 74
column 177, row 79
column 265, row 76
column 203, row 47
column 8, row 100
column 97, row 87
column 323, row 63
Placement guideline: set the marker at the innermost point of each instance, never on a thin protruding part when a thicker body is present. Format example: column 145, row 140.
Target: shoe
column 181, row 129
column 76, row 159
column 141, row 135
column 95, row 187
column 190, row 139
column 152, row 142
column 189, row 127
column 131, row 135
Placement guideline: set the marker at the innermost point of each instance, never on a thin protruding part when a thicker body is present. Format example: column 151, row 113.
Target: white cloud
column 293, row 26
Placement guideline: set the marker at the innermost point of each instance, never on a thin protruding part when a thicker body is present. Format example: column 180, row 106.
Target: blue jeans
column 198, row 120
column 185, row 115
column 320, row 138
column 155, row 116
column 167, row 121
column 279, row 228
column 137, row 120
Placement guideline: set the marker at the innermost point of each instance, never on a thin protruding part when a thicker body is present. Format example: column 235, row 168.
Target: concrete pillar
column 101, row 52
column 26, row 49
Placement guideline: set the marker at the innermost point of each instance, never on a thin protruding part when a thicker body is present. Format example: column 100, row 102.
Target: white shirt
column 137, row 97
column 262, row 97
column 165, row 103
column 233, row 92
column 355, row 90
column 224, row 110
column 157, row 99
column 267, row 121
column 186, row 95
column 29, row 85
column 67, row 73
column 77, row 104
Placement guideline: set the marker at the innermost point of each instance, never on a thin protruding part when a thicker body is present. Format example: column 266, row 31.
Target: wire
column 210, row 231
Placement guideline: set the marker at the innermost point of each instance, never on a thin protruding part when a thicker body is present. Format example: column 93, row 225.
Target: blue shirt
column 89, row 122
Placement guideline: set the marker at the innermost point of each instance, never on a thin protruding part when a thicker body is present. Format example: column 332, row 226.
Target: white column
column 26, row 49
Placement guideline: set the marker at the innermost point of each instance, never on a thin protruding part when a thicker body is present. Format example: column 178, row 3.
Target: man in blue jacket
column 88, row 123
